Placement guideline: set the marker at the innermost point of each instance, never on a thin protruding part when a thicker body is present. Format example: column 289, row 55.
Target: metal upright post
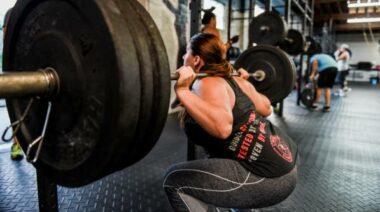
column 288, row 9
column 287, row 19
column 299, row 80
column 281, row 112
column 195, row 17
column 47, row 193
column 252, row 5
column 229, row 19
column 312, row 18
column 268, row 5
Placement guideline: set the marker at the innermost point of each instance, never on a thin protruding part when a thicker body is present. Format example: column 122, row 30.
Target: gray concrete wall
column 172, row 19
column 165, row 20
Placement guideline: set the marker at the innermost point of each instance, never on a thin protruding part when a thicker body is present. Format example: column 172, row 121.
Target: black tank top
column 255, row 142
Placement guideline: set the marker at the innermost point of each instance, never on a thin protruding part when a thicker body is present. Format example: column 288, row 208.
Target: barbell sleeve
column 258, row 75
column 289, row 40
column 43, row 82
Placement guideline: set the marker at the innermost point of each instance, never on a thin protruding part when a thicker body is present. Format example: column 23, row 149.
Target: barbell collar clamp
column 33, row 153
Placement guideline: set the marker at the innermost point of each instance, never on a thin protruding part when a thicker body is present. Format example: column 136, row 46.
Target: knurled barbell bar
column 103, row 102
column 258, row 75
column 45, row 82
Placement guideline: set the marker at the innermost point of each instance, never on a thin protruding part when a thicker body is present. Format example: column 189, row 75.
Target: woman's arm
column 209, row 103
column 343, row 56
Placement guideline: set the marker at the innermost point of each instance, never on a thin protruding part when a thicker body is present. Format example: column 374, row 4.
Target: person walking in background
column 326, row 67
column 342, row 56
column 16, row 151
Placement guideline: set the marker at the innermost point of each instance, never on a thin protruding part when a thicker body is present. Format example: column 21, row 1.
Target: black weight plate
column 278, row 67
column 233, row 53
column 161, row 76
column 146, row 63
column 294, row 44
column 97, row 107
column 267, row 28
column 307, row 96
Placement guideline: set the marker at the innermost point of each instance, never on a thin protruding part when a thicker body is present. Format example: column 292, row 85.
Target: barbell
column 267, row 28
column 87, row 84
column 271, row 29
column 294, row 42
column 258, row 75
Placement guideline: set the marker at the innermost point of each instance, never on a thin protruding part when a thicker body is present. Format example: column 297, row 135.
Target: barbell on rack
column 271, row 29
column 293, row 43
column 88, row 84
column 267, row 28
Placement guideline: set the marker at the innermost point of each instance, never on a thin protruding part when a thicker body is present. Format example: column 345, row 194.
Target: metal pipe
column 195, row 16
column 43, row 82
column 288, row 10
column 251, row 9
column 268, row 5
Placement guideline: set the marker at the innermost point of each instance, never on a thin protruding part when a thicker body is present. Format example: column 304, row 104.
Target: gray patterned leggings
column 201, row 185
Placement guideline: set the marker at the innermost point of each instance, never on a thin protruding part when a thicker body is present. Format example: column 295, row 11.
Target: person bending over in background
column 251, row 162
column 326, row 68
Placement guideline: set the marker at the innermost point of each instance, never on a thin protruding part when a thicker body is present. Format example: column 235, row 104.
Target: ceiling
column 336, row 12
column 328, row 13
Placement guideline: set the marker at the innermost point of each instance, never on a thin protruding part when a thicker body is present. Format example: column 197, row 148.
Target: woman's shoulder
column 219, row 83
column 213, row 87
column 211, row 82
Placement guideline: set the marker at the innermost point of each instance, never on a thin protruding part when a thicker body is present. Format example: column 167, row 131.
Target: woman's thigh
column 225, row 183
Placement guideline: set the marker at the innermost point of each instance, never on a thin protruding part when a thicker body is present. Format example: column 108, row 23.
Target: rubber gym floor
column 339, row 164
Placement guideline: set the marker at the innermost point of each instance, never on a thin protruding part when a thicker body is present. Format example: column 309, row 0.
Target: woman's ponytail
column 222, row 69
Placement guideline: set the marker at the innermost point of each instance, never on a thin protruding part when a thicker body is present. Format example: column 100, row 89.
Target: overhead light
column 363, row 20
column 363, row 4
